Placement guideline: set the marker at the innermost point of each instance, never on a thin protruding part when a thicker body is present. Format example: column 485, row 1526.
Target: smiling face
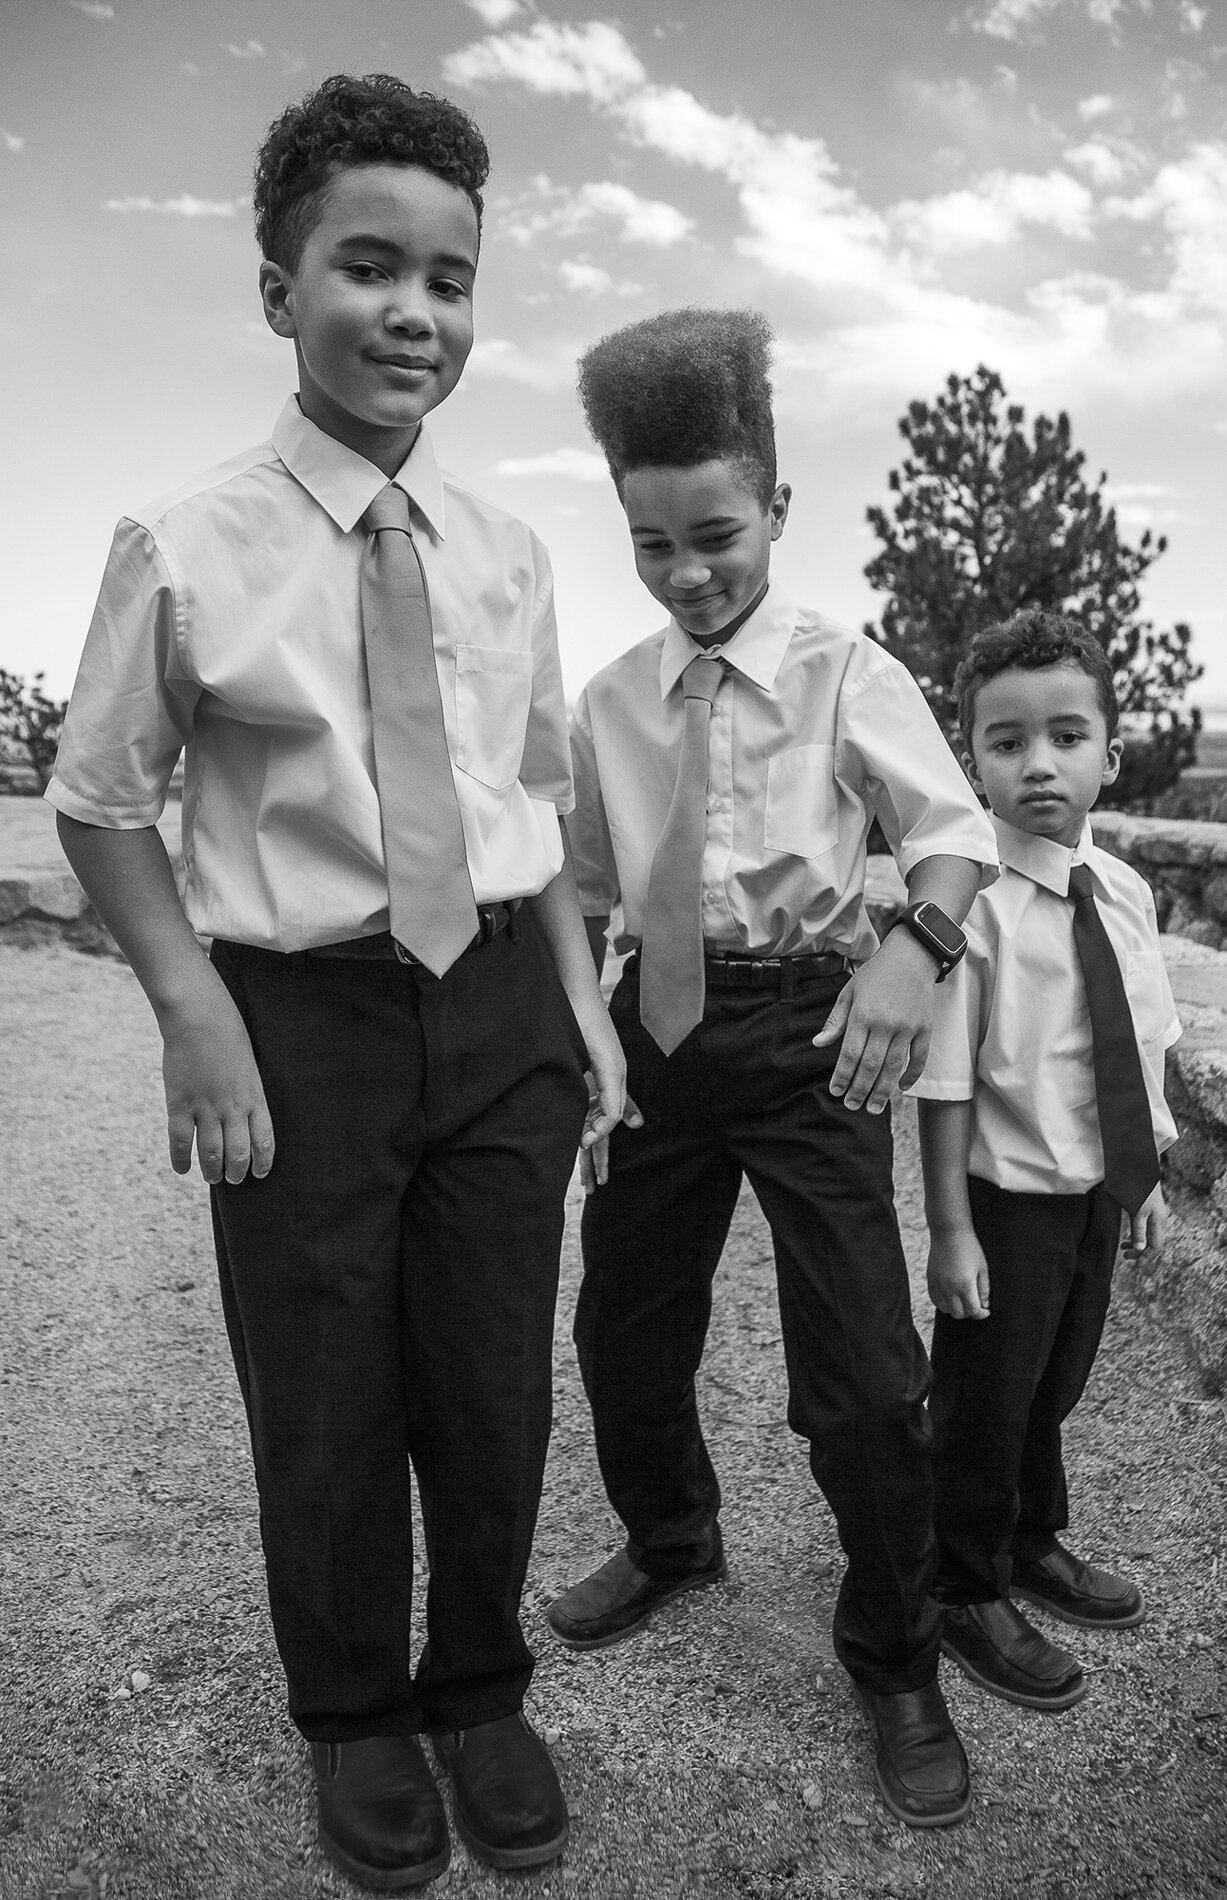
column 379, row 305
column 1040, row 749
column 703, row 542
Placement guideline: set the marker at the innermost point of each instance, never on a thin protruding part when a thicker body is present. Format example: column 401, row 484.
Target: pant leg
column 986, row 1374
column 1043, row 1498
column 481, row 1236
column 652, row 1239
column 857, row 1370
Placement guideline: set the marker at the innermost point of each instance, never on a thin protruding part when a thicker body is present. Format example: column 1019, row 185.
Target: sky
column 907, row 188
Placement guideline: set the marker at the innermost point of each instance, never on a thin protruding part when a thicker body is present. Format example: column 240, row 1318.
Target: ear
column 1111, row 765
column 969, row 766
column 777, row 509
column 277, row 296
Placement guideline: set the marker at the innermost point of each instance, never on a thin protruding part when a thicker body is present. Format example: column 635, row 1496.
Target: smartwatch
column 939, row 934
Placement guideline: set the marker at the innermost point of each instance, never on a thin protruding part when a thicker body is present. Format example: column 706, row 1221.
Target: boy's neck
column 386, row 449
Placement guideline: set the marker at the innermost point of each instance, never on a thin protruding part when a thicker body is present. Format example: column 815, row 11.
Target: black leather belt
column 781, row 974
column 491, row 919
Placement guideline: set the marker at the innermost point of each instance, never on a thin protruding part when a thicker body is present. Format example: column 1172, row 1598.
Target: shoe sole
column 683, row 1588
column 508, row 1859
column 1050, row 1704
column 1083, row 1622
column 385, row 1879
column 949, row 1818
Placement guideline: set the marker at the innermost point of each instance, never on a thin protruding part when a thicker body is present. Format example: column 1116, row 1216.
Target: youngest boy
column 1042, row 1117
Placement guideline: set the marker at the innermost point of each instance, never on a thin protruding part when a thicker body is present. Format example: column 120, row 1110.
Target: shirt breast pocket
column 494, row 693
column 800, row 815
column 1147, row 993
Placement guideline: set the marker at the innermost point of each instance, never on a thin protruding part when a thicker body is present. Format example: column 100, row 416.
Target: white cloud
column 1189, row 198
column 589, row 280
column 575, row 465
column 184, row 206
column 93, row 9
column 1102, row 165
column 1011, row 19
column 498, row 356
column 10, row 141
column 1192, row 18
column 560, row 209
column 995, row 208
column 1140, row 505
column 592, row 61
column 1096, row 106
column 252, row 49
column 189, row 67
column 495, row 13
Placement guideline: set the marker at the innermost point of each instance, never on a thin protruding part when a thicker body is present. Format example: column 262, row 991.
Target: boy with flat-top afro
column 382, row 1065
column 727, row 772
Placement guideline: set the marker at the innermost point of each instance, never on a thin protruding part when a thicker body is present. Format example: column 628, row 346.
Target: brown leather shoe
column 920, row 1769
column 509, row 1808
column 997, row 1649
column 616, row 1600
column 381, row 1818
column 1076, row 1592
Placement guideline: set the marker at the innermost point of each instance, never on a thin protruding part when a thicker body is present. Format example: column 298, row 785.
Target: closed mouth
column 404, row 362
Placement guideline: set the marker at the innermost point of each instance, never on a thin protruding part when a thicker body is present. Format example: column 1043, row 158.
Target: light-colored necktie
column 430, row 893
column 671, row 983
column 1130, row 1159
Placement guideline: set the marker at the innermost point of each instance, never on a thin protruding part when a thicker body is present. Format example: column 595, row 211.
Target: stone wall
column 1185, row 864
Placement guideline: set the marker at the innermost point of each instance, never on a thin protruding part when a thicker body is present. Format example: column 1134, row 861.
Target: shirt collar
column 755, row 650
column 343, row 482
column 1043, row 860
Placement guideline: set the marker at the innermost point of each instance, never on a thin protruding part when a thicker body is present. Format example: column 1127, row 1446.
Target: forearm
column 570, row 943
column 595, row 929
column 950, row 883
column 127, row 877
column 945, row 1148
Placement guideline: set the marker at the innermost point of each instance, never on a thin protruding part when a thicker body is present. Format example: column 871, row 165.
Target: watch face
column 943, row 932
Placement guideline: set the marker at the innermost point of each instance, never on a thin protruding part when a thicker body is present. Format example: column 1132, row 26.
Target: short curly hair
column 1033, row 638
column 687, row 386
column 351, row 121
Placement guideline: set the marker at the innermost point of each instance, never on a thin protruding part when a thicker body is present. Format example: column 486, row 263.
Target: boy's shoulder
column 249, row 468
column 488, row 516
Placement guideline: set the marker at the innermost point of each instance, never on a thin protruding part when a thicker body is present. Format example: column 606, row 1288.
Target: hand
column 958, row 1274
column 1148, row 1226
column 608, row 1104
column 213, row 1091
column 885, row 1016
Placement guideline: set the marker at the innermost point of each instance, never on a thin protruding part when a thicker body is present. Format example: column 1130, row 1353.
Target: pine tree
column 989, row 519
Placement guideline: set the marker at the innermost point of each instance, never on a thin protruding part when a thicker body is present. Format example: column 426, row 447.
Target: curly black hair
column 687, row 386
column 351, row 121
column 1033, row 638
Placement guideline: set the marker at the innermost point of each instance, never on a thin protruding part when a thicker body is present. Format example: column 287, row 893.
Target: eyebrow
column 713, row 521
column 1057, row 719
column 372, row 241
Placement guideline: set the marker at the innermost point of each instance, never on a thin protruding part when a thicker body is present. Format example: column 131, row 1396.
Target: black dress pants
column 1003, row 1386
column 747, row 1093
column 389, row 1291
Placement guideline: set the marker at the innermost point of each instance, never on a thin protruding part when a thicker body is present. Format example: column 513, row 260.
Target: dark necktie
column 671, row 960
column 430, row 894
column 1130, row 1160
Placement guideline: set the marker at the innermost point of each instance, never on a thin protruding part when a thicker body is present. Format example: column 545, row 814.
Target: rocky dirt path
column 144, row 1752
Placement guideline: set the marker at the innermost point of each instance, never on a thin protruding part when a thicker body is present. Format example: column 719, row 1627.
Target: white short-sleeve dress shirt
column 815, row 731
column 1012, row 1032
column 228, row 628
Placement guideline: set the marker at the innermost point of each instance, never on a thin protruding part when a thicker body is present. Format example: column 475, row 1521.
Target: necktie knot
column 701, row 679
column 1081, row 884
column 390, row 509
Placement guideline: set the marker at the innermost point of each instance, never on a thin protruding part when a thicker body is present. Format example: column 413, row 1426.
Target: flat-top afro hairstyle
column 1030, row 639
column 685, row 387
column 350, row 121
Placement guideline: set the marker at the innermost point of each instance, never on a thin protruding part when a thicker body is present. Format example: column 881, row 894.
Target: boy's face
column 703, row 542
column 1040, row 749
column 380, row 305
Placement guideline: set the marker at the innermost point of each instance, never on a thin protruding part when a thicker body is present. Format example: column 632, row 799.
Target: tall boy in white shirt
column 1030, row 1146
column 388, row 1121
column 756, row 1035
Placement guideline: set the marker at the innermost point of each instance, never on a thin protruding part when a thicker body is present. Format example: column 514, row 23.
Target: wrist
column 937, row 935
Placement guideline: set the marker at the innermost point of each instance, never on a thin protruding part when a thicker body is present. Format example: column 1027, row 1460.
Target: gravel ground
column 144, row 1749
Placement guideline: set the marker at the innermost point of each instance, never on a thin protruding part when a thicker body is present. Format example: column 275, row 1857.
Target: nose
column 1039, row 763
column 409, row 310
column 688, row 572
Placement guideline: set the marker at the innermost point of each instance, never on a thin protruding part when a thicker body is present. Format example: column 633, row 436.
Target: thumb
column 632, row 1115
column 836, row 1022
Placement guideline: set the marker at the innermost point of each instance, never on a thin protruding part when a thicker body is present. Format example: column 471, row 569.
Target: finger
column 849, row 1060
column 263, row 1144
column 180, row 1133
column 868, row 1072
column 888, row 1077
column 917, row 1057
column 835, row 1023
column 632, row 1115
column 210, row 1147
column 587, row 1170
column 600, row 1161
column 236, row 1151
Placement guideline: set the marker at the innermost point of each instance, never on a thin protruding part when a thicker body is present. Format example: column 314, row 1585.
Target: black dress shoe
column 1076, row 1592
column 921, row 1770
column 381, row 1818
column 997, row 1649
column 510, row 1810
column 617, row 1599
